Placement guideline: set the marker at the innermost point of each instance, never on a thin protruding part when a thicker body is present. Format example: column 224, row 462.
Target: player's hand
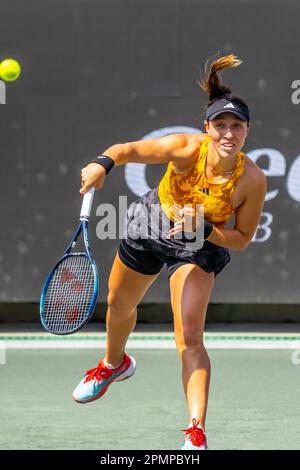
column 92, row 176
column 189, row 221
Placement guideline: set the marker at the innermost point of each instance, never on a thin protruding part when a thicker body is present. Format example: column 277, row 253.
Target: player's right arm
column 182, row 149
column 174, row 147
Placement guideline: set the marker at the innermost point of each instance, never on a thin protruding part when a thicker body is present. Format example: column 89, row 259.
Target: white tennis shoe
column 96, row 381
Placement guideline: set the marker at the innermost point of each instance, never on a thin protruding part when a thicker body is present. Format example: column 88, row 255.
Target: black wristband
column 208, row 229
column 107, row 162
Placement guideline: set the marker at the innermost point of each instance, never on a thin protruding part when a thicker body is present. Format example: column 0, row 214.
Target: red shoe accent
column 196, row 435
column 101, row 371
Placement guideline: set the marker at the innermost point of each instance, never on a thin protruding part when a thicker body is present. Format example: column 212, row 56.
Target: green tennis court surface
column 254, row 401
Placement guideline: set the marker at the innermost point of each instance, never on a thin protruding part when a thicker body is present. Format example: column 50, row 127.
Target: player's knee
column 190, row 339
column 118, row 307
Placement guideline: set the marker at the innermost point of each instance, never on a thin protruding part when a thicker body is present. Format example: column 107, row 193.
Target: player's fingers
column 83, row 180
column 187, row 211
column 175, row 229
column 173, row 232
column 85, row 188
column 179, row 223
column 84, row 171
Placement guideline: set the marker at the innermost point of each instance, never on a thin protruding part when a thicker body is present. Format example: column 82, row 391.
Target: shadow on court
column 253, row 402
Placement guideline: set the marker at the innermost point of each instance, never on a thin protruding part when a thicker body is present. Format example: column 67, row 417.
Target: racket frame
column 82, row 227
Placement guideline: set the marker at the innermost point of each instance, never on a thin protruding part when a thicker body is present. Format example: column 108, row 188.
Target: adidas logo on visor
column 229, row 105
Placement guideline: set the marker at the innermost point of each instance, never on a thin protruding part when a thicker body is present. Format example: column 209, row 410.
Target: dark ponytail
column 212, row 84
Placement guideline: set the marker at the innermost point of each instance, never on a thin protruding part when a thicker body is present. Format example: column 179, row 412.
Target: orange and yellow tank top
column 191, row 188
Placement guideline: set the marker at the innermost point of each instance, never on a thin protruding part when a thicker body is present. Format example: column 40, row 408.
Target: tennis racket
column 70, row 292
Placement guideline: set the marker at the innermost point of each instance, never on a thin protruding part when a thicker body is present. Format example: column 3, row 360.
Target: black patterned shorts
column 148, row 255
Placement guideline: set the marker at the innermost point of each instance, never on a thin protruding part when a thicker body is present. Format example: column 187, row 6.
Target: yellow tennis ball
column 10, row 70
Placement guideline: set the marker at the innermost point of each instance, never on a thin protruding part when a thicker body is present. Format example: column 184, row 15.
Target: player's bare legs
column 190, row 292
column 126, row 289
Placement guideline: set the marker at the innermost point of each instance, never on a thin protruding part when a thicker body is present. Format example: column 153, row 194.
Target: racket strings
column 69, row 294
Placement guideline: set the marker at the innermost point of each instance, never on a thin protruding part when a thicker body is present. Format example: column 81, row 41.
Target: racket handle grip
column 87, row 204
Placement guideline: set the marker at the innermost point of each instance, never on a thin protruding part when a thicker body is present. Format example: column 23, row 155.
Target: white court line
column 2, row 352
column 149, row 344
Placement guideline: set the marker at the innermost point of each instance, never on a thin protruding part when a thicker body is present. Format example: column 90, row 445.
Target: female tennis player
column 204, row 170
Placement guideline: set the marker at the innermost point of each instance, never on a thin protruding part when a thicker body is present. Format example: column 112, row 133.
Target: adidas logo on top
column 229, row 105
